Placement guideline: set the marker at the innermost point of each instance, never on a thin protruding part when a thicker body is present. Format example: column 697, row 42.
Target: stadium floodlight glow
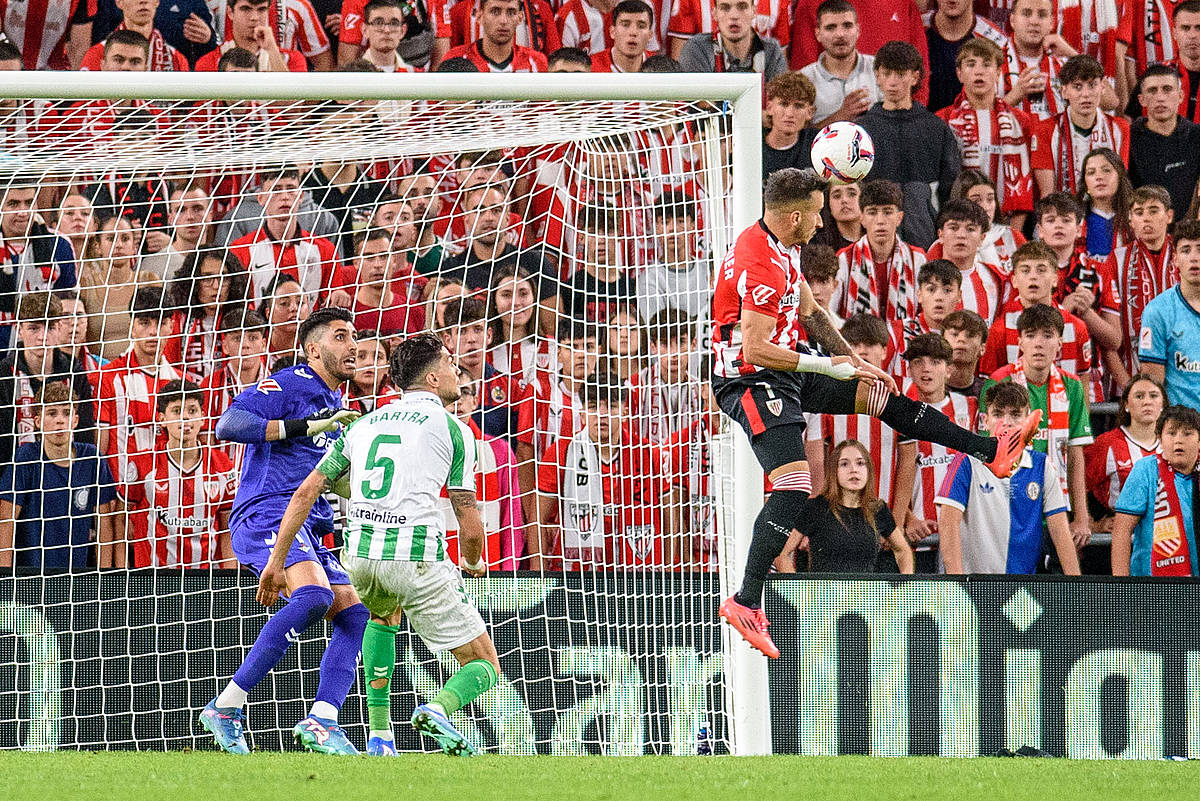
column 591, row 115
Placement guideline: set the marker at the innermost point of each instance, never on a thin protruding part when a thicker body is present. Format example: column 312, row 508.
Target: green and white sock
column 473, row 680
column 379, row 659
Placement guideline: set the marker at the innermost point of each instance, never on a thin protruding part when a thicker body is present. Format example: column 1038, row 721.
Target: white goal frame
column 745, row 670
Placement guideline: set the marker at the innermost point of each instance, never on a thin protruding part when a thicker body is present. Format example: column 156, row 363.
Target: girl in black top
column 846, row 523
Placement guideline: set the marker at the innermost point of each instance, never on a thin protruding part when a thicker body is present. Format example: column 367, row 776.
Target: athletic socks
column 339, row 665
column 922, row 421
column 772, row 527
column 473, row 680
column 379, row 660
column 307, row 605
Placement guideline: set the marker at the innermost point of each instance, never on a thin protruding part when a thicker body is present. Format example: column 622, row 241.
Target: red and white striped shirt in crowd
column 884, row 289
column 1142, row 275
column 984, row 286
column 691, row 474
column 547, row 413
column 222, row 386
column 1094, row 27
column 995, row 142
column 1075, row 357
column 499, row 496
column 311, row 260
column 603, row 61
column 629, row 197
column 88, row 123
column 772, row 18
column 300, row 28
column 1152, row 39
column 180, row 512
column 163, row 57
column 900, row 332
column 1056, row 146
column 584, row 26
column 1042, row 105
column 537, row 31
column 1108, row 460
column 1005, row 241
column 529, row 361
column 933, row 460
column 194, row 346
column 760, row 274
column 659, row 408
column 670, row 158
column 127, row 407
column 880, row 440
column 41, row 28
column 523, row 59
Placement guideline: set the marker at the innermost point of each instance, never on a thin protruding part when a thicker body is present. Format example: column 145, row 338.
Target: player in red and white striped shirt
column 1108, row 460
column 961, row 225
column 921, row 466
column 496, row 49
column 51, row 34
column 180, row 495
column 630, row 38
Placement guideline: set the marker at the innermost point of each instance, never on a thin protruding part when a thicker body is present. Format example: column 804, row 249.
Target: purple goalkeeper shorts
column 254, row 537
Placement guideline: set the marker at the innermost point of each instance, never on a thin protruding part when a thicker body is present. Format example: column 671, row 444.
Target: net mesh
column 562, row 250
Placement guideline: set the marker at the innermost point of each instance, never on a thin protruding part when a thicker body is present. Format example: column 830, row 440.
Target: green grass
column 268, row 777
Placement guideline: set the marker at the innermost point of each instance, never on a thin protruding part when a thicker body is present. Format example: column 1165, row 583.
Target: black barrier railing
column 963, row 666
column 592, row 663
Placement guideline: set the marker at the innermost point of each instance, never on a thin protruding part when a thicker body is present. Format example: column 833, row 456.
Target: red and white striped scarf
column 1143, row 276
column 862, row 293
column 1049, row 102
column 1153, row 40
column 1006, row 160
column 1090, row 26
column 162, row 55
column 1058, row 424
column 1105, row 133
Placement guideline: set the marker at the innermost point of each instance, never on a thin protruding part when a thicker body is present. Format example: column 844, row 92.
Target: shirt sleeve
column 1137, row 496
column 1053, row 501
column 336, row 461
column 1152, row 341
column 956, row 488
column 1080, row 419
column 107, row 487
column 462, row 456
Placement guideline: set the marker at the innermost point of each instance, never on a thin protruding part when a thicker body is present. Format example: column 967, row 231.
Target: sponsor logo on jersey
column 1185, row 365
column 1146, row 340
column 986, row 488
column 761, row 294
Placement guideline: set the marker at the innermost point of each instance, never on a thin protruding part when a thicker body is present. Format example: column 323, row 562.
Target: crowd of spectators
column 1030, row 220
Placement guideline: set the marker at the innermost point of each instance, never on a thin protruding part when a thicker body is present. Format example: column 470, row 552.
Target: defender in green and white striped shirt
column 392, row 464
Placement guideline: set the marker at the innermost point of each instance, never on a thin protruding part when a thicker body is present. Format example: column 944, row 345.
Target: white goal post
column 736, row 473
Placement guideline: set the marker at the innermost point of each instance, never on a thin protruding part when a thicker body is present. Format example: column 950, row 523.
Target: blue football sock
column 307, row 605
column 339, row 666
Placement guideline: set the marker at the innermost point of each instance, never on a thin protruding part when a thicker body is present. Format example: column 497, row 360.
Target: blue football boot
column 428, row 720
column 323, row 736
column 227, row 726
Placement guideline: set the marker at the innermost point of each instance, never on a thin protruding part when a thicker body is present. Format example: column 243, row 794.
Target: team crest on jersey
column 268, row 385
column 641, row 540
column 775, row 406
column 1033, row 491
column 498, row 394
column 81, row 499
column 212, row 489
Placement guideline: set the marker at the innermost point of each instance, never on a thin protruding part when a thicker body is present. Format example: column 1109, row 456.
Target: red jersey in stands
column 1057, row 147
column 584, row 26
column 537, row 30
column 179, row 512
column 669, row 157
column 1046, row 103
column 899, row 334
column 933, row 460
column 1094, row 27
column 1095, row 275
column 659, row 408
column 1108, row 460
column 163, row 57
column 127, row 408
column 1001, row 349
column 1152, row 40
column 762, row 275
column 880, row 21
column 40, row 29
column 995, row 142
column 691, row 471
column 221, row 387
column 628, row 195
column 548, row 413
column 311, row 260
column 609, row 513
column 487, row 491
column 880, row 441
column 523, row 59
column 209, row 61
column 1142, row 275
column 85, row 123
column 603, row 61
column 531, row 360
column 772, row 18
column 300, row 29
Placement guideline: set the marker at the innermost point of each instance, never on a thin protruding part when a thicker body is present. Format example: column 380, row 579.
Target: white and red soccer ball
column 843, row 153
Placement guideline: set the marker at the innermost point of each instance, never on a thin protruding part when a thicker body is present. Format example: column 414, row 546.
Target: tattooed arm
column 824, row 333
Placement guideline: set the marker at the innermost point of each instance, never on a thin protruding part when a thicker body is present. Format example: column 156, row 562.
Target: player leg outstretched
column 285, row 422
column 765, row 378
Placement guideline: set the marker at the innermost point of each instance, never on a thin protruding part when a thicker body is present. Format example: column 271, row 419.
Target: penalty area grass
column 183, row 776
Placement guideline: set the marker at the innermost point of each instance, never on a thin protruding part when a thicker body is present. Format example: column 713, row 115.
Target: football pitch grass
column 183, row 776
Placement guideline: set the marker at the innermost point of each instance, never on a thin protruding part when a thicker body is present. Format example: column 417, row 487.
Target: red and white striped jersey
column 127, row 407
column 691, row 473
column 487, row 490
column 603, row 61
column 523, row 59
column 182, row 511
column 1001, row 349
column 548, row 413
column 528, row 361
column 194, row 346
column 671, row 159
column 900, row 332
column 772, row 18
column 933, row 460
column 1108, row 460
column 299, row 30
column 537, row 31
column 657, row 408
column 629, row 196
column 584, row 26
column 762, row 275
column 880, row 440
column 983, row 289
column 40, row 28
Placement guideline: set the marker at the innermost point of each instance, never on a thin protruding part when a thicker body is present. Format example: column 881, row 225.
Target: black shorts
column 770, row 406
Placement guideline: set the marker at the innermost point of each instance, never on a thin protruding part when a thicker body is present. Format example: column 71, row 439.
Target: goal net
column 158, row 258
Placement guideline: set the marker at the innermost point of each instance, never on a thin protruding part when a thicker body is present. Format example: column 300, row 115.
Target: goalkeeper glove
column 318, row 422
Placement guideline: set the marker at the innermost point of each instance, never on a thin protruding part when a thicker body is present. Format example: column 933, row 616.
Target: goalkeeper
column 286, row 422
column 397, row 459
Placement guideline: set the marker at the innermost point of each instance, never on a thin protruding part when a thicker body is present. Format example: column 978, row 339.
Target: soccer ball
column 843, row 153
